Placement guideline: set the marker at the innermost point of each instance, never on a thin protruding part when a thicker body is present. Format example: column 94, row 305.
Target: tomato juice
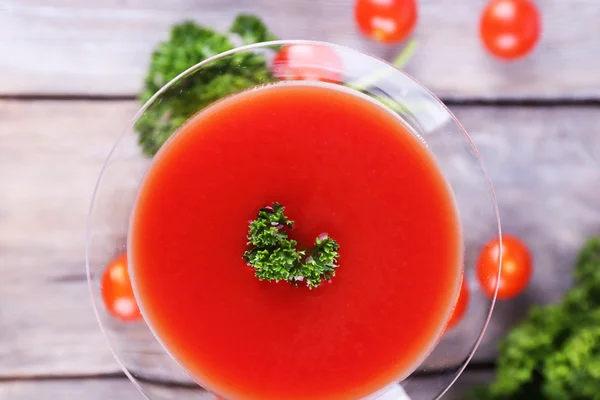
column 340, row 163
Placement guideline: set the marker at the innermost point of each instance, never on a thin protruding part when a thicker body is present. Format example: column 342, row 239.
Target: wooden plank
column 542, row 161
column 101, row 47
column 123, row 389
column 427, row 388
column 94, row 389
column 50, row 157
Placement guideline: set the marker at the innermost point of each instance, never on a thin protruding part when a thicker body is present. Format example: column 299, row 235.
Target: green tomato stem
column 399, row 62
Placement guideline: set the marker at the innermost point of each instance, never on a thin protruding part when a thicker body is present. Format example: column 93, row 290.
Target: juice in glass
column 339, row 163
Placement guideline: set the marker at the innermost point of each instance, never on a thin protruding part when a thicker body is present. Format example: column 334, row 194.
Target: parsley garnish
column 274, row 257
column 554, row 353
column 188, row 44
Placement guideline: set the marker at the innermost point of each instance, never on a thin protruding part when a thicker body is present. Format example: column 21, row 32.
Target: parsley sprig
column 188, row 44
column 554, row 353
column 275, row 257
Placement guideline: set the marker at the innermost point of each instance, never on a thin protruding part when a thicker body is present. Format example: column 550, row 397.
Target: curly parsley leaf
column 574, row 371
column 251, row 29
column 189, row 44
column 554, row 354
column 274, row 257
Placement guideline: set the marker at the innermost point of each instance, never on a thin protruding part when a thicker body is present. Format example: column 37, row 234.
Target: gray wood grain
column 50, row 157
column 122, row 389
column 541, row 159
column 102, row 47
column 93, row 389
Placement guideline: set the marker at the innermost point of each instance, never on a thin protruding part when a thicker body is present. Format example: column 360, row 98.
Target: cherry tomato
column 516, row 267
column 308, row 61
column 462, row 302
column 510, row 29
column 117, row 292
column 387, row 21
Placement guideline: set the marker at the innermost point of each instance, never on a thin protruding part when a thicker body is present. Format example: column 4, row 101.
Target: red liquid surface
column 339, row 164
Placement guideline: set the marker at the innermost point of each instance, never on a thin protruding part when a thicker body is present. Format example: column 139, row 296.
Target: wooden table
column 69, row 73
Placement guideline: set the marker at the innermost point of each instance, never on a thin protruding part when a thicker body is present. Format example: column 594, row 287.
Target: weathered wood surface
column 102, row 47
column 93, row 389
column 540, row 158
column 50, row 157
column 122, row 389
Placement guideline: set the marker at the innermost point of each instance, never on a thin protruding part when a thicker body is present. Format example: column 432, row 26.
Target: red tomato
column 462, row 302
column 117, row 292
column 387, row 21
column 510, row 28
column 308, row 61
column 516, row 267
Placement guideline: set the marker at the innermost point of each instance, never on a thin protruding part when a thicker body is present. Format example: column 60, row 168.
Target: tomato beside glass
column 117, row 291
column 308, row 61
column 462, row 303
column 516, row 267
column 510, row 29
column 387, row 21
